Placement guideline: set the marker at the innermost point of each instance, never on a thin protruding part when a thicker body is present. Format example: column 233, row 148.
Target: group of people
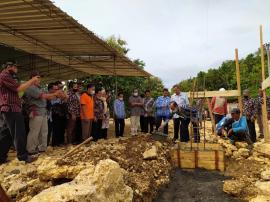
column 236, row 126
column 54, row 117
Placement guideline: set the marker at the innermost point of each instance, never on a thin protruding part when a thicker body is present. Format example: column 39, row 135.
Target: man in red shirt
column 11, row 110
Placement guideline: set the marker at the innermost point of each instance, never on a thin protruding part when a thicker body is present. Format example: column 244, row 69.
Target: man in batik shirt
column 250, row 111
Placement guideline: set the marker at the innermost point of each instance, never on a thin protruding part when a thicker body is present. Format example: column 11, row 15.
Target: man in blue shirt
column 236, row 127
column 162, row 106
column 119, row 115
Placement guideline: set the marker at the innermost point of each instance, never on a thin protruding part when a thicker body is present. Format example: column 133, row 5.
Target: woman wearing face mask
column 73, row 104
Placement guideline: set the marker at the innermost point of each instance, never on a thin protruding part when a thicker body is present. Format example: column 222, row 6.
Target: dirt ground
column 194, row 186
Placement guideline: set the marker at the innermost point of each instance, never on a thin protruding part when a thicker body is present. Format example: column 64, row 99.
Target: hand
column 223, row 131
column 230, row 132
column 35, row 79
column 252, row 118
column 73, row 117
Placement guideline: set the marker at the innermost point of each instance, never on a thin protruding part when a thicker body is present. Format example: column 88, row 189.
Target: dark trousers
column 196, row 132
column 58, row 133
column 104, row 133
column 119, row 127
column 15, row 135
column 78, row 130
column 184, row 132
column 149, row 124
column 252, row 130
column 218, row 118
column 142, row 123
column 159, row 121
column 97, row 130
column 50, row 129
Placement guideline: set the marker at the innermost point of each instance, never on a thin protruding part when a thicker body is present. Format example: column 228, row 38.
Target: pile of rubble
column 250, row 170
column 125, row 169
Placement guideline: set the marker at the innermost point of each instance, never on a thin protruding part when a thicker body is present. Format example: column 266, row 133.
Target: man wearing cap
column 250, row 110
column 38, row 125
column 235, row 128
column 219, row 107
column 10, row 107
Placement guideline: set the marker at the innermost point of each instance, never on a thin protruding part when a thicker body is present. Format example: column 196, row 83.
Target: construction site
column 148, row 166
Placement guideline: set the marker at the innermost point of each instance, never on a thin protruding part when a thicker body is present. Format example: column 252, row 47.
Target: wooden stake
column 238, row 80
column 264, row 109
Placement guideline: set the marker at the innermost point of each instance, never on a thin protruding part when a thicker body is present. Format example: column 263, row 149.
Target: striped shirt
column 9, row 97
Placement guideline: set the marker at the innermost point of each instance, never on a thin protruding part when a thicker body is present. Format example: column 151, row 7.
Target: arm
column 213, row 103
column 187, row 100
column 84, row 109
column 115, row 109
column 242, row 126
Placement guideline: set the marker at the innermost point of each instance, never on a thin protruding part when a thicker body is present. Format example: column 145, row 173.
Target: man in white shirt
column 179, row 123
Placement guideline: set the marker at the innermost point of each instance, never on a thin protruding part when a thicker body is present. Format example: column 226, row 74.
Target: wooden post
column 238, row 80
column 264, row 109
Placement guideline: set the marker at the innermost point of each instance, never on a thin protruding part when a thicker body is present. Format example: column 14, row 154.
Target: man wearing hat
column 38, row 127
column 235, row 128
column 250, row 110
column 11, row 110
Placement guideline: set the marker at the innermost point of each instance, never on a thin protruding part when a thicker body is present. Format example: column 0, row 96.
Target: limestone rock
column 233, row 187
column 150, row 153
column 104, row 183
column 241, row 145
column 262, row 148
column 260, row 198
column 265, row 175
column 16, row 187
column 264, row 187
column 49, row 170
column 241, row 153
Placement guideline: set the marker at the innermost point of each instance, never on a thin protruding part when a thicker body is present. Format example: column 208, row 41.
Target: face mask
column 135, row 94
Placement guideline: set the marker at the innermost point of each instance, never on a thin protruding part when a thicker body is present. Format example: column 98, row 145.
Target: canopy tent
column 40, row 28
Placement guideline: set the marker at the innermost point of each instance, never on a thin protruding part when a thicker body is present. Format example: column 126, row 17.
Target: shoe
column 33, row 153
column 30, row 159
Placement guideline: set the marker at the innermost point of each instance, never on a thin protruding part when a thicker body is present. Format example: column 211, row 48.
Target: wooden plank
column 266, row 83
column 202, row 94
column 210, row 160
column 238, row 80
column 200, row 146
column 264, row 107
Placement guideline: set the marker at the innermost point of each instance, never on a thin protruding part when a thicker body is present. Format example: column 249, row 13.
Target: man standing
column 99, row 114
column 162, row 106
column 38, row 125
column 119, row 115
column 10, row 106
column 73, row 104
column 219, row 107
column 249, row 110
column 87, row 111
column 136, row 107
column 148, row 112
column 181, row 123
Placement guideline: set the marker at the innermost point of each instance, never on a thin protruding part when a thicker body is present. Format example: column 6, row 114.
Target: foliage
column 225, row 76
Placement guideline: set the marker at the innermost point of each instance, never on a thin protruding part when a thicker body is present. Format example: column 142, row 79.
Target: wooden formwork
column 207, row 156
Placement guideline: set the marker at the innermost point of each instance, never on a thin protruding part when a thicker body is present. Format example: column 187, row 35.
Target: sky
column 177, row 38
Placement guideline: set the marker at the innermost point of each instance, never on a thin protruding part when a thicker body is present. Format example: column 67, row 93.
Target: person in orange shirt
column 87, row 111
column 219, row 107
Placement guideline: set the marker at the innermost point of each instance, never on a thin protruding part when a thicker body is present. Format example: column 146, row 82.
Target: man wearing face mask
column 250, row 110
column 119, row 115
column 38, row 125
column 10, row 106
column 136, row 110
column 73, row 104
column 87, row 111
